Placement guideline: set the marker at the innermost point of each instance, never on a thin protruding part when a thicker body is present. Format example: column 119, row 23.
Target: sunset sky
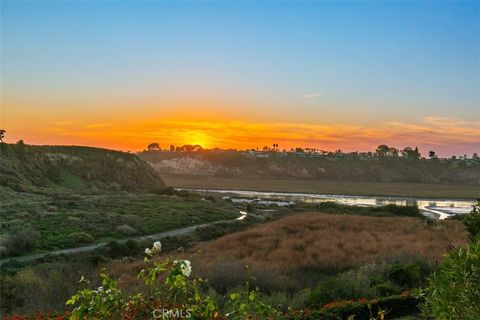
column 329, row 75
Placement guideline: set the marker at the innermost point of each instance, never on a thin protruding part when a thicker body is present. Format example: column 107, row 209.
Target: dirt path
column 156, row 236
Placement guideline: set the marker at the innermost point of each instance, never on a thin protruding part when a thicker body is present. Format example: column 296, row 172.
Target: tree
column 475, row 156
column 411, row 154
column 392, row 152
column 417, row 153
column 432, row 154
column 472, row 222
column 153, row 146
column 2, row 135
column 21, row 150
column 382, row 150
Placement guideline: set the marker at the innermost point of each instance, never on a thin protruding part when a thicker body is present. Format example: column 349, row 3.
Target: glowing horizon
column 439, row 134
column 323, row 75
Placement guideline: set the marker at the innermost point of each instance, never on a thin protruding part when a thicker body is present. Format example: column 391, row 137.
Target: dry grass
column 297, row 251
column 324, row 242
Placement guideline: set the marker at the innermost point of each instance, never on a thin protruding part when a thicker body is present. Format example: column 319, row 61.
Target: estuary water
column 435, row 208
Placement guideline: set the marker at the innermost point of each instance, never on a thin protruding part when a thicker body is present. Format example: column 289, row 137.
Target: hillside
column 320, row 168
column 59, row 197
column 27, row 168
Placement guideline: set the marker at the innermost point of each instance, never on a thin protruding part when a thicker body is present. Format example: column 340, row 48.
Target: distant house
column 189, row 148
column 153, row 147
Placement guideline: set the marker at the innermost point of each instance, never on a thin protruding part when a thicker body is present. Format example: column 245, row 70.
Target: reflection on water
column 436, row 208
column 243, row 215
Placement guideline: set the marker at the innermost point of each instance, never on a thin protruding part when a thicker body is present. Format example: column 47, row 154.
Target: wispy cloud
column 312, row 95
column 98, row 125
column 65, row 123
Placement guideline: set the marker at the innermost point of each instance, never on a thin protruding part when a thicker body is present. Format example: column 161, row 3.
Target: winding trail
column 152, row 237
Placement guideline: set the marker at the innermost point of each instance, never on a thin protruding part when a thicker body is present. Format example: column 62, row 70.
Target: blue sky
column 359, row 63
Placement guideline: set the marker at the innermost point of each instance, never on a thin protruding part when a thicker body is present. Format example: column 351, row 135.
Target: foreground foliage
column 454, row 290
column 472, row 222
column 168, row 281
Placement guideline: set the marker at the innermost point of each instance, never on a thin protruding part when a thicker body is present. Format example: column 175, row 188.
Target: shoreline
column 328, row 188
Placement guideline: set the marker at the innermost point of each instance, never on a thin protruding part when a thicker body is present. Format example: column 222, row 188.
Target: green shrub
column 360, row 309
column 251, row 208
column 115, row 249
column 387, row 288
column 80, row 237
column 171, row 283
column 472, row 222
column 132, row 248
column 410, row 275
column 10, row 295
column 454, row 290
column 126, row 230
column 349, row 285
column 370, row 281
column 390, row 210
column 403, row 211
column 23, row 241
column 170, row 191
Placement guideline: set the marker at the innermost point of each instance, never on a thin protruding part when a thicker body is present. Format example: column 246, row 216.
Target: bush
column 171, row 284
column 126, row 230
column 80, row 237
column 390, row 210
column 9, row 294
column 340, row 288
column 403, row 211
column 21, row 242
column 410, row 275
column 115, row 249
column 370, row 281
column 454, row 291
column 170, row 191
column 360, row 309
column 472, row 222
column 219, row 229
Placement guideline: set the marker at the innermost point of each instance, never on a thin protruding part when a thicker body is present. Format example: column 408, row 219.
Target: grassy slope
column 326, row 187
column 27, row 168
column 55, row 218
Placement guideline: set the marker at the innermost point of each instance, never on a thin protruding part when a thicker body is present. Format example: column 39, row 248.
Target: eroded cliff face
column 238, row 164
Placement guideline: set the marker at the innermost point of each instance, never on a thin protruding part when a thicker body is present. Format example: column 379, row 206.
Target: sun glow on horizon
column 198, row 138
column 447, row 136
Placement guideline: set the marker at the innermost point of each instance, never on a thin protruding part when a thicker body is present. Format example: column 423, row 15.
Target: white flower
column 148, row 251
column 158, row 246
column 186, row 268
